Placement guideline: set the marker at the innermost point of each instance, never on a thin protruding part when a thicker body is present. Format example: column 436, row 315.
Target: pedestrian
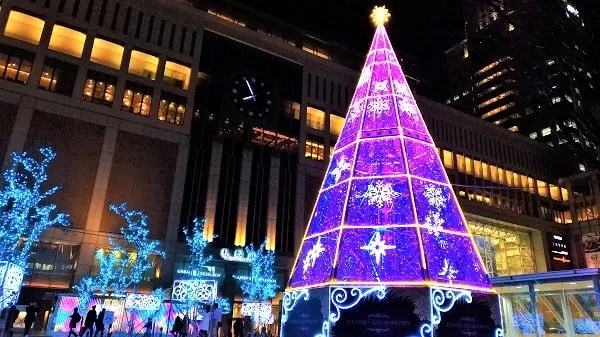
column 184, row 326
column 217, row 317
column 11, row 317
column 177, row 326
column 263, row 332
column 148, row 327
column 75, row 318
column 238, row 327
column 100, row 323
column 30, row 313
column 90, row 320
column 205, row 322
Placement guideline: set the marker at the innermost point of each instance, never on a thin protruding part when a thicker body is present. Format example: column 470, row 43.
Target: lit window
column 513, row 128
column 550, row 62
column 460, row 163
column 465, row 52
column 556, row 100
column 226, row 17
column 491, row 65
column 15, row 67
column 172, row 110
column 485, row 173
column 291, row 109
column 315, row 118
column 99, row 88
column 107, row 53
column 143, row 64
column 542, row 188
column 564, row 193
column 568, row 98
column 177, row 74
column 137, row 99
column 67, row 40
column 494, row 16
column 497, row 110
column 316, row 51
column 448, row 163
column 546, row 131
column 24, row 27
column 314, row 150
column 468, row 165
column 58, row 77
column 495, row 99
column 533, row 135
column 581, row 167
column 511, row 27
column 554, row 192
column 491, row 77
column 335, row 124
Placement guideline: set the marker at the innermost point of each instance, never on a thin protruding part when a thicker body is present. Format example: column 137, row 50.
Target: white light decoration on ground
column 237, row 256
column 441, row 301
column 11, row 276
column 377, row 247
column 261, row 313
column 194, row 290
column 142, row 302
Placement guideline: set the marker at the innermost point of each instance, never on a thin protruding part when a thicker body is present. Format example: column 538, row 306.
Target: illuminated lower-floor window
column 15, row 64
column 505, row 251
column 99, row 88
column 137, row 99
column 58, row 77
column 171, row 109
column 314, row 150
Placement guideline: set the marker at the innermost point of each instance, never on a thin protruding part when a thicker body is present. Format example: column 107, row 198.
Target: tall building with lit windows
column 529, row 66
column 187, row 110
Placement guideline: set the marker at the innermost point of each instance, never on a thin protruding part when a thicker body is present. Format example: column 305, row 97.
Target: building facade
column 186, row 111
column 530, row 68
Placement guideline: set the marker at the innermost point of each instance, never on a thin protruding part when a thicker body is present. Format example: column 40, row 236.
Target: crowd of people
column 9, row 317
column 94, row 323
column 208, row 323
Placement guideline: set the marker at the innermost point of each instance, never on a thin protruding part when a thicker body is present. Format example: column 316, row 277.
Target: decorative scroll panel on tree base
column 392, row 312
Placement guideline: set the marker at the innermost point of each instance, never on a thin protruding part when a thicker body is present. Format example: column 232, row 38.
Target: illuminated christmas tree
column 386, row 217
column 260, row 287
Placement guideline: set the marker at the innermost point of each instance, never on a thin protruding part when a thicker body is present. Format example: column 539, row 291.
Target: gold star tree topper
column 380, row 15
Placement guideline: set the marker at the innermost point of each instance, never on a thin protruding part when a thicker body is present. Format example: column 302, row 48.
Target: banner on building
column 559, row 252
column 591, row 245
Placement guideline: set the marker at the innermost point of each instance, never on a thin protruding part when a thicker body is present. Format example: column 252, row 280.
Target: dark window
column 171, row 108
column 47, row 3
column 90, row 9
column 61, row 6
column 309, row 85
column 339, row 96
column 58, row 77
column 228, row 193
column 331, row 92
column 138, row 27
column 161, row 32
column 286, row 204
column 99, row 88
column 150, row 29
column 256, row 226
column 113, row 24
column 172, row 37
column 324, row 90
column 127, row 20
column 102, row 12
column 15, row 64
column 193, row 44
column 137, row 98
column 346, row 97
column 182, row 39
column 317, row 88
column 75, row 10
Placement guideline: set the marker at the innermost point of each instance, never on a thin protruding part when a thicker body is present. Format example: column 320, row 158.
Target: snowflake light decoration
column 312, row 255
column 433, row 219
column 434, row 196
column 379, row 194
column 448, row 270
column 341, row 166
column 377, row 247
column 365, row 76
column 380, row 87
column 407, row 107
column 377, row 106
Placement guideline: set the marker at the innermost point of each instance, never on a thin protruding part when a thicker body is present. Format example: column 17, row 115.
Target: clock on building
column 252, row 96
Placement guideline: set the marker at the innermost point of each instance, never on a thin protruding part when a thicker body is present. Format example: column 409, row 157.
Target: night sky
column 420, row 28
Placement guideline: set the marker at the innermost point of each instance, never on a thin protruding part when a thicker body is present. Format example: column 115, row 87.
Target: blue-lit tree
column 197, row 243
column 120, row 269
column 261, row 285
column 24, row 210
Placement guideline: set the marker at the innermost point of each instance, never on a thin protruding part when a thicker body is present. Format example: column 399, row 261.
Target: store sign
column 591, row 245
column 208, row 271
column 559, row 252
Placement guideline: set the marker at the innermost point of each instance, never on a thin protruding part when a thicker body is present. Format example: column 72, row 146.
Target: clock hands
column 253, row 96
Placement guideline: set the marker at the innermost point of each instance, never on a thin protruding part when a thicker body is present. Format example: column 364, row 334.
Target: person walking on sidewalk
column 100, row 323
column 11, row 317
column 90, row 320
column 30, row 313
column 75, row 318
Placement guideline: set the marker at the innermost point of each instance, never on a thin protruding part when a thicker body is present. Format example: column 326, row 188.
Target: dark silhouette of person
column 177, row 325
column 75, row 318
column 238, row 327
column 11, row 317
column 30, row 313
column 90, row 320
column 100, row 323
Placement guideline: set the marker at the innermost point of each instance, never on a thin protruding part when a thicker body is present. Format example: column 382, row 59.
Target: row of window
column 70, row 41
column 499, row 175
column 320, row 89
column 315, row 119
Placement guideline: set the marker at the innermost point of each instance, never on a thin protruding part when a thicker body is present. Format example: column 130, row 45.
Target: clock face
column 252, row 96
